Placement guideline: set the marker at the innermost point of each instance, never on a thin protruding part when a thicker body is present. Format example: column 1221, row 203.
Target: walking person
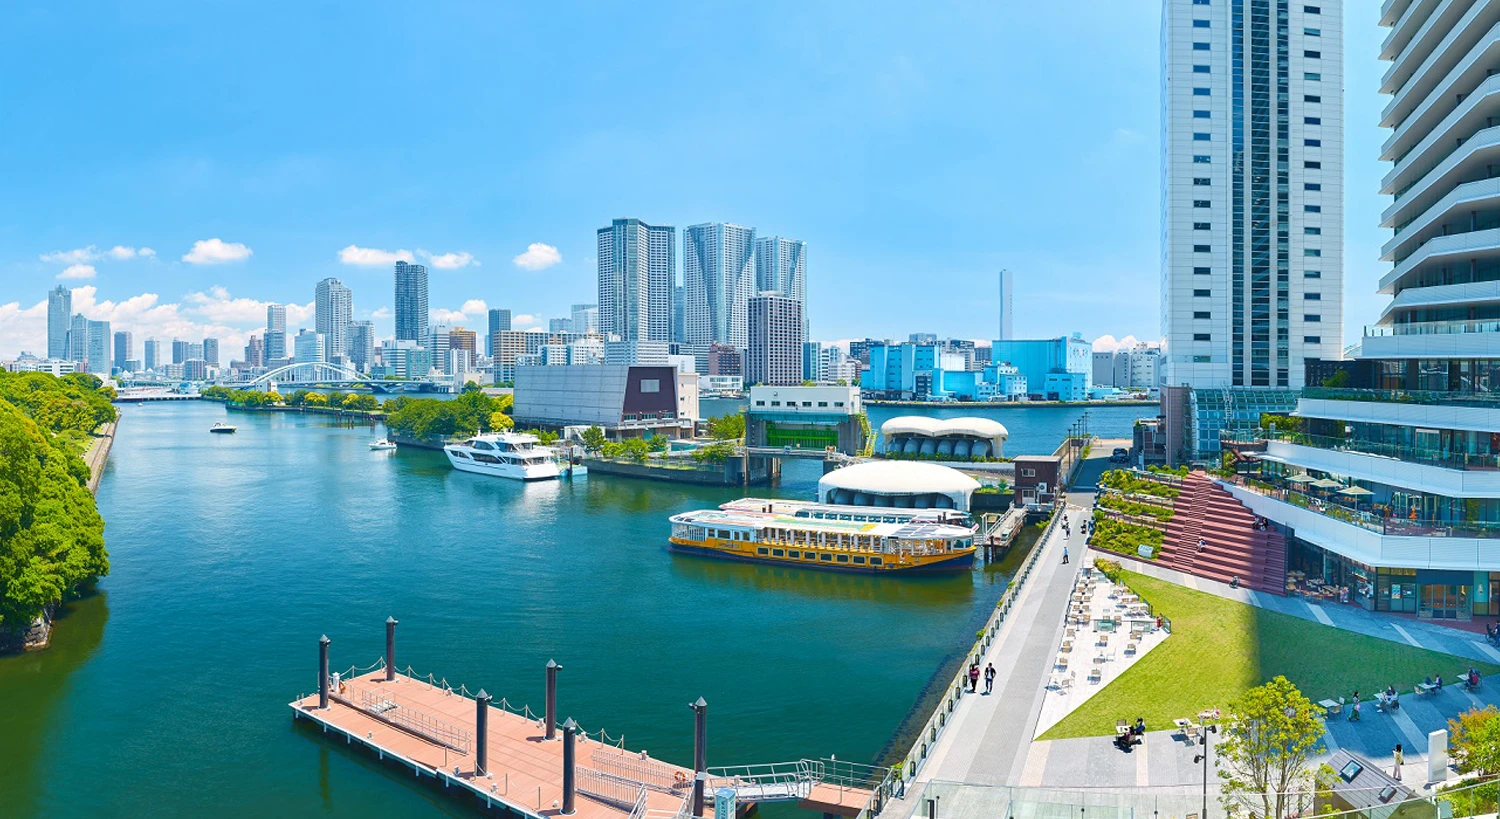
column 1065, row 555
column 1354, row 709
column 973, row 678
column 989, row 678
column 1396, row 768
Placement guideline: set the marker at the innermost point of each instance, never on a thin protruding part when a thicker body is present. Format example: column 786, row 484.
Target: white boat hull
column 518, row 472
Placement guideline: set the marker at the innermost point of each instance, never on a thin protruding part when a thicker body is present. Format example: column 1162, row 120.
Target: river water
column 165, row 694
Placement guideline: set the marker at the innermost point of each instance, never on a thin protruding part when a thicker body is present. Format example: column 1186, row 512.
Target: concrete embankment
column 98, row 453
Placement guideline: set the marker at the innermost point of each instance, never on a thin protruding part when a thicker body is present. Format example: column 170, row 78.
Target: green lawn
column 1220, row 648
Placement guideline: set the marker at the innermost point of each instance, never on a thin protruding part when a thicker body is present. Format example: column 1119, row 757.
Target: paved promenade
column 987, row 740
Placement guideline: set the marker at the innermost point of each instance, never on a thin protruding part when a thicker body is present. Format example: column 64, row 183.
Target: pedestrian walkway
column 1348, row 617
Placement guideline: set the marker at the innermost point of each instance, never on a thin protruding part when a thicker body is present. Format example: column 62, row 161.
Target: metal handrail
column 385, row 707
column 609, row 789
column 648, row 772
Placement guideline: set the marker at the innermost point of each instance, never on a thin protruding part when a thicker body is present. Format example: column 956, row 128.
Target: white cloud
column 215, row 313
column 370, row 256
column 474, row 307
column 1109, row 344
column 83, row 255
column 380, row 313
column 472, row 310
column 216, row 251
column 538, row 256
column 525, row 321
column 448, row 261
column 78, row 271
column 75, row 256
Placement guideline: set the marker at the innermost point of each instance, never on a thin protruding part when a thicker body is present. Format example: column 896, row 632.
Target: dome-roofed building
column 900, row 484
column 957, row 438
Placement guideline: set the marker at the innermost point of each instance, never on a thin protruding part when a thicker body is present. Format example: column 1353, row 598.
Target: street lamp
column 1203, row 757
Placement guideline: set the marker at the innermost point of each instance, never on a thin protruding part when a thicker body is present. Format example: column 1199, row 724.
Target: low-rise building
column 626, row 401
column 806, row 418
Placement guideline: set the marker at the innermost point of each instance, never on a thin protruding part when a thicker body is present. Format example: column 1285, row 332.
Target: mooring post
column 551, row 717
column 323, row 672
column 481, row 731
column 700, row 752
column 390, row 648
column 570, row 785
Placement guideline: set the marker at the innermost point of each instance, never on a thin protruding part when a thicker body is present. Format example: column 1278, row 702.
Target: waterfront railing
column 907, row 768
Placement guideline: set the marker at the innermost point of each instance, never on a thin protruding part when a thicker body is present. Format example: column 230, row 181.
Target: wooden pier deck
column 430, row 729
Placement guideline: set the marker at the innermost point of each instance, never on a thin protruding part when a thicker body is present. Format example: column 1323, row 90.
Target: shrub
column 1109, row 568
column 1123, row 538
column 1133, row 484
column 1135, row 508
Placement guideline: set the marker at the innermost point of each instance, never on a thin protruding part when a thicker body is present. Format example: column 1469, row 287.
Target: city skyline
column 154, row 273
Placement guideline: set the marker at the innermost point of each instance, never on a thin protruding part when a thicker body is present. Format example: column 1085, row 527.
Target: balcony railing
column 1432, row 328
column 1483, row 400
column 1328, row 505
column 1448, row 460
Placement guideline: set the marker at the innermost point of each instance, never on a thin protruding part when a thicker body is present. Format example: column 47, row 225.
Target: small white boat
column 222, row 428
column 383, row 443
column 504, row 455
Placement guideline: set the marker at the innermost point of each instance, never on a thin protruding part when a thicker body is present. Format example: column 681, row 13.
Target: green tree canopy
column 51, row 535
column 593, row 439
column 727, row 427
column 1268, row 737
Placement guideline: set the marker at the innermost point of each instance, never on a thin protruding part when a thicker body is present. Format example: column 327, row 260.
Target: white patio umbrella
column 1301, row 477
column 1326, row 483
column 1355, row 491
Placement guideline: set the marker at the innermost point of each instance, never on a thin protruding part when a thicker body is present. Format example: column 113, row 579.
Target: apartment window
column 1202, row 337
column 1312, row 55
column 1312, row 208
column 1202, row 203
column 1312, row 165
column 1200, row 46
column 1201, row 181
column 1202, row 271
column 1311, row 98
column 1312, row 120
column 1312, row 339
column 1201, row 92
column 1312, row 143
column 1201, row 159
column 1312, row 76
column 1313, row 296
column 1202, row 294
column 1312, row 317
column 1311, row 251
column 1312, row 10
column 1200, row 2
column 1313, row 231
column 1200, row 69
column 1203, row 359
column 1312, row 186
column 1202, row 249
column 1202, row 226
column 1200, row 24
column 1312, row 274
column 1313, row 32
column 1200, row 115
column 1202, row 314
column 1199, row 136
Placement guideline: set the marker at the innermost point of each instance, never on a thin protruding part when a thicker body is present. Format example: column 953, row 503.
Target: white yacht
column 505, row 455
column 383, row 444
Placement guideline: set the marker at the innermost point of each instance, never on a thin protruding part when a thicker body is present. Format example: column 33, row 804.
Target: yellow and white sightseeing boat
column 824, row 536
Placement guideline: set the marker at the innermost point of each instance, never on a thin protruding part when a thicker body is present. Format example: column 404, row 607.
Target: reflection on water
column 33, row 688
column 912, row 590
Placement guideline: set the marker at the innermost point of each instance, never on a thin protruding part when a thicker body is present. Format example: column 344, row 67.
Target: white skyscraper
column 718, row 279
column 781, row 267
column 637, row 271
column 275, row 347
column 1007, row 305
column 585, row 318
column 1252, row 191
column 308, row 347
column 333, row 310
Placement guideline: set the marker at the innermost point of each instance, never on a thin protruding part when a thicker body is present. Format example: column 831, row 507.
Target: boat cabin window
column 460, row 453
column 875, row 561
column 777, row 553
column 482, row 445
column 762, row 551
column 826, row 558
column 794, row 553
column 843, row 558
column 487, row 459
column 859, row 559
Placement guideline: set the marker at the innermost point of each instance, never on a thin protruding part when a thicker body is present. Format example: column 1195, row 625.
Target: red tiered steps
column 1233, row 546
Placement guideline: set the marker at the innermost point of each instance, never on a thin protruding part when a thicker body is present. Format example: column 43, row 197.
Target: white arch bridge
column 324, row 374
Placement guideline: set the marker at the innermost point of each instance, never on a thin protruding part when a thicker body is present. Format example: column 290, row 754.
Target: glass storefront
column 1431, row 594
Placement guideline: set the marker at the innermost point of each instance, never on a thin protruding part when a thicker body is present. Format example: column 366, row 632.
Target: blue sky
column 917, row 149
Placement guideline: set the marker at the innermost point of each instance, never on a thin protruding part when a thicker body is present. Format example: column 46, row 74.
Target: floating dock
column 530, row 765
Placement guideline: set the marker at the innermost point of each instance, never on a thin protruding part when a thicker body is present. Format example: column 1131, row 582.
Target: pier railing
column 911, row 762
column 385, row 707
column 647, row 772
column 622, row 793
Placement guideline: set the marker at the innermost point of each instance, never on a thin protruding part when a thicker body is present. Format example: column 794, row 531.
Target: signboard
column 724, row 803
column 1144, row 551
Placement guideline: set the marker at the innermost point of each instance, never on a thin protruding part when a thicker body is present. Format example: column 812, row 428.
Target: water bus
column 825, row 536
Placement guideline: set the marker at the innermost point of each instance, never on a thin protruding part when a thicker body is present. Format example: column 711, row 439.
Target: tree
column 499, row 422
column 1337, row 380
column 51, row 535
column 363, row 403
column 315, row 399
column 727, row 427
column 842, row 382
column 658, row 443
column 336, row 398
column 1267, row 739
column 1474, row 737
column 717, row 452
column 593, row 439
column 637, row 450
column 612, row 449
